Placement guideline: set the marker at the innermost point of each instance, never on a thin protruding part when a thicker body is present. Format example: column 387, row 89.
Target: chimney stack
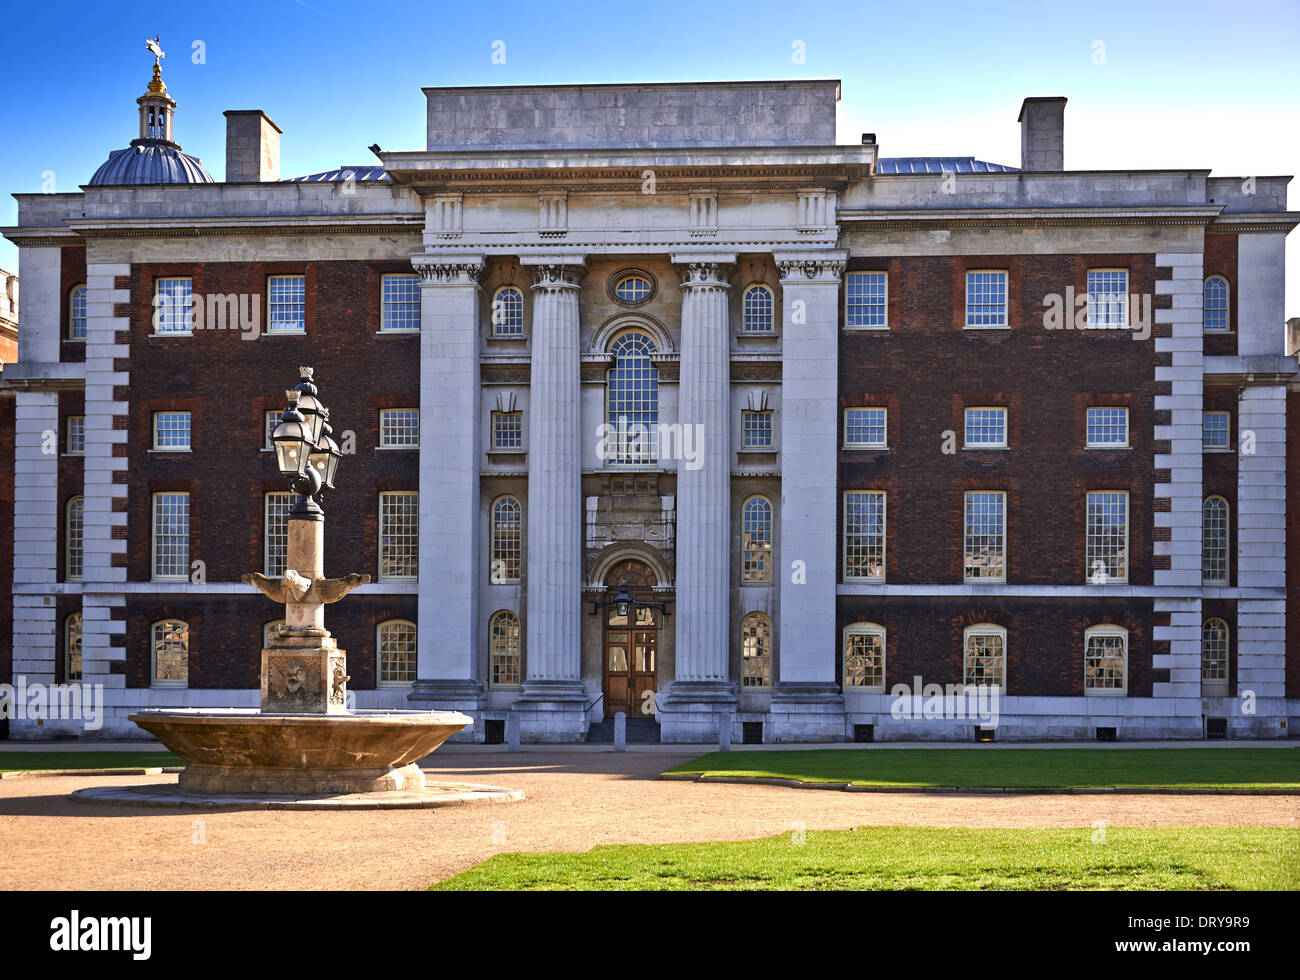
column 252, row 146
column 1042, row 133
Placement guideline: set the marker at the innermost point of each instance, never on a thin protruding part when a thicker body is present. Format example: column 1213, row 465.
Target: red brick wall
column 72, row 272
column 1221, row 259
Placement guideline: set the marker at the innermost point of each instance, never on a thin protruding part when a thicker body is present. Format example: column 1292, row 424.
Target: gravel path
column 576, row 799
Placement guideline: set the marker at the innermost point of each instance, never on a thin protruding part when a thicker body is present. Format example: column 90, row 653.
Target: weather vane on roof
column 154, row 44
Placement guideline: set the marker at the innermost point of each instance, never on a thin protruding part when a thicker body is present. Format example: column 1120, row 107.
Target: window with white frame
column 171, row 432
column 986, row 536
column 170, row 653
column 866, row 300
column 506, row 541
column 986, row 300
column 286, row 304
column 1107, row 536
column 1107, row 298
column 275, row 533
column 171, row 536
column 986, row 428
column 399, row 535
column 1105, row 660
column 1107, row 428
column 985, row 657
column 74, row 537
column 72, row 648
column 633, row 288
column 76, row 441
column 866, row 428
column 1214, row 651
column 77, row 313
column 755, row 429
column 864, row 657
column 503, row 649
column 864, row 535
column 271, row 630
column 508, row 312
column 757, row 309
column 1214, row 309
column 755, row 651
column 1216, row 432
column 508, row 431
column 1214, row 541
column 399, row 428
column 171, row 305
column 400, row 294
column 272, row 420
column 756, row 541
column 395, row 646
column 632, row 402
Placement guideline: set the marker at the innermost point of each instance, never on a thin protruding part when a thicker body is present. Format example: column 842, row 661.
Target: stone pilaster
column 551, row 704
column 701, row 698
column 449, row 486
column 807, row 705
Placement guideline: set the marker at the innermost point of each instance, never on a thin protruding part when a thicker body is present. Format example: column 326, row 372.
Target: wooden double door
column 631, row 647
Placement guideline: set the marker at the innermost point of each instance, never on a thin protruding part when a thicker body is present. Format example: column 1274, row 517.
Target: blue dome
column 151, row 162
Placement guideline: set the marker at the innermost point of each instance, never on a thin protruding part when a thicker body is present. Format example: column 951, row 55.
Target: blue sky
column 1198, row 85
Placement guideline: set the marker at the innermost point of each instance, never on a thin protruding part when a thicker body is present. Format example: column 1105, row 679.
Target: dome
column 151, row 162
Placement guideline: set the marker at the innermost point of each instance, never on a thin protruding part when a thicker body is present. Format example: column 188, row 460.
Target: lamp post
column 307, row 454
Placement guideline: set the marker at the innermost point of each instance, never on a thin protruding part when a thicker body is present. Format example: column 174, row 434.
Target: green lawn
column 17, row 761
column 1228, row 768
column 918, row 858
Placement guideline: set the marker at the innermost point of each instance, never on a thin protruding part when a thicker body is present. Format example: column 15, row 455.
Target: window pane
column 399, row 428
column 756, row 430
column 985, row 536
column 1214, row 541
column 1103, row 663
column 272, row 420
column 401, row 303
column 172, row 305
column 77, row 313
column 757, row 310
column 1215, row 308
column 171, row 430
column 1107, row 298
column 985, row 659
column 1107, row 546
column 864, row 659
column 1215, row 432
column 986, row 299
column 504, row 649
column 756, row 651
column 507, row 541
column 276, row 546
column 632, row 402
column 864, row 534
column 864, row 426
column 986, row 427
column 1214, row 650
column 865, row 304
column 397, row 652
column 287, row 303
column 75, row 538
column 399, row 535
column 72, row 649
column 756, row 541
column 1108, row 427
column 171, row 535
column 76, row 433
column 632, row 289
column 171, row 652
column 507, row 430
column 508, row 312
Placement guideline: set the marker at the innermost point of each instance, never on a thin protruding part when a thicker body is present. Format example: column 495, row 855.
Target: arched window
column 77, row 312
column 1215, row 305
column 503, row 649
column 507, row 541
column 985, row 657
column 1105, row 660
column 395, row 648
column 171, row 653
column 1214, row 658
column 864, row 657
column 631, row 402
column 74, row 567
column 72, row 648
column 269, row 630
column 756, row 541
column 757, row 310
column 755, row 651
column 1214, row 541
column 508, row 312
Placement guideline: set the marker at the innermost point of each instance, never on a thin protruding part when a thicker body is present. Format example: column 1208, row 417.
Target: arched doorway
column 631, row 641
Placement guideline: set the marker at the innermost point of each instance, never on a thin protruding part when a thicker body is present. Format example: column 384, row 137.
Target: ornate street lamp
column 312, row 410
column 325, row 457
column 307, row 454
column 623, row 602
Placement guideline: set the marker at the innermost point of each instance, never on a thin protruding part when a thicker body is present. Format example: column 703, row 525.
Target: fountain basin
column 234, row 750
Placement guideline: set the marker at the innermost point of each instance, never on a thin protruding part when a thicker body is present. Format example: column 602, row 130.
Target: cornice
column 853, row 219
column 379, row 224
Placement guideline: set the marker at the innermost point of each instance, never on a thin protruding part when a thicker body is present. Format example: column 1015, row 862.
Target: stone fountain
column 304, row 741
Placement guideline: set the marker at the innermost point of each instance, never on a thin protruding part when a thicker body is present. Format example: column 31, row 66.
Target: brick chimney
column 1042, row 133
column 252, row 146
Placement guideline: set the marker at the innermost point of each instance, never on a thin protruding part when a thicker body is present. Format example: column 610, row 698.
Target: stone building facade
column 811, row 412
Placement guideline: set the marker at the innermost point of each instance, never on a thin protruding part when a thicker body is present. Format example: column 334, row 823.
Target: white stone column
column 550, row 706
column 806, row 702
column 1261, row 562
column 449, row 485
column 701, row 697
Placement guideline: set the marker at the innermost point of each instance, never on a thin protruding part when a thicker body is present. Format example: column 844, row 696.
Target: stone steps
column 640, row 731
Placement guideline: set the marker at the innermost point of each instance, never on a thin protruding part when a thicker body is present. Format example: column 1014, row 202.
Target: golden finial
column 154, row 44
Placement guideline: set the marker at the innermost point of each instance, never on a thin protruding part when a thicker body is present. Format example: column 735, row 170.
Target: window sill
column 394, row 685
column 169, row 687
column 398, row 333
column 759, row 335
column 80, row 455
column 862, row 689
column 985, row 581
column 757, row 451
column 977, row 449
column 856, row 328
column 397, row 449
column 507, row 455
column 74, row 340
column 1106, row 694
column 284, row 333
column 170, row 580
column 863, row 581
column 169, row 452
column 1001, row 326
column 1220, row 449
column 399, row 578
column 857, row 448
column 497, row 338
column 167, row 336
column 1125, row 447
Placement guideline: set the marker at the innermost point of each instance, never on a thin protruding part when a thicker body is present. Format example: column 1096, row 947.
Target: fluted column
column 701, row 695
column 551, row 703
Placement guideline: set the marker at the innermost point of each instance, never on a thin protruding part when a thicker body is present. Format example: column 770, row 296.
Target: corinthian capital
column 811, row 266
column 558, row 276
column 704, row 272
column 449, row 270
